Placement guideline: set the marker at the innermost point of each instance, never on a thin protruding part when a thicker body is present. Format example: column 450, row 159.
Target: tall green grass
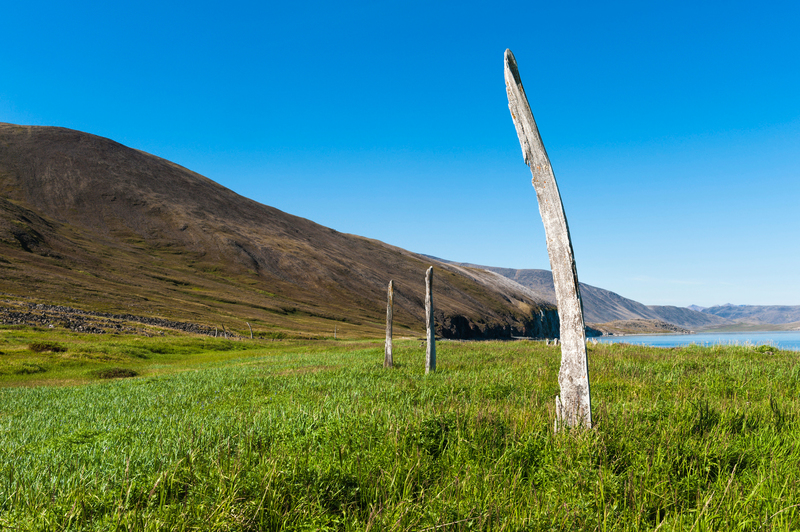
column 324, row 438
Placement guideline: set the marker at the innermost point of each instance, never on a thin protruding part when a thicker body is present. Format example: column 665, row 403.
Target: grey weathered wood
column 574, row 406
column 388, row 362
column 430, row 352
column 251, row 329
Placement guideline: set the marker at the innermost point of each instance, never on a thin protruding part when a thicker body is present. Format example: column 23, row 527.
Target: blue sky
column 673, row 127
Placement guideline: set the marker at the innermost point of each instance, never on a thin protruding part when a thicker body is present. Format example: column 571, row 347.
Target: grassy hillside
column 294, row 435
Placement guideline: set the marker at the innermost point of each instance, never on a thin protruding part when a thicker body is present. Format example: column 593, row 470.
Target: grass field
column 289, row 435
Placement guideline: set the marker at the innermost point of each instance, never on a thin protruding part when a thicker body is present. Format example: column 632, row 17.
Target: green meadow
column 191, row 433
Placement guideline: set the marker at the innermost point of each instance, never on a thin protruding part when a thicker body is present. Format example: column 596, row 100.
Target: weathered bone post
column 430, row 352
column 387, row 359
column 573, row 407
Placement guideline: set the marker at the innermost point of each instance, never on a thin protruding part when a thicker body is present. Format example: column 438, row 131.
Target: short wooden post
column 251, row 329
column 430, row 352
column 388, row 362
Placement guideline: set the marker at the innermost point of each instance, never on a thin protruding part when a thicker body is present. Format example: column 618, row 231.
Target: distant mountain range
column 775, row 314
column 602, row 306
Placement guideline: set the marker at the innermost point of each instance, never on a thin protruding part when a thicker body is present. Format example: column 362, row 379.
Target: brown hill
column 88, row 222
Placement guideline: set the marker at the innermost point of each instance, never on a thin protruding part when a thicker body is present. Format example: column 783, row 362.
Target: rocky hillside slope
column 89, row 223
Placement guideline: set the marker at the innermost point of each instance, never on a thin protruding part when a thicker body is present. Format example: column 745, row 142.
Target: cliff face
column 543, row 324
column 88, row 222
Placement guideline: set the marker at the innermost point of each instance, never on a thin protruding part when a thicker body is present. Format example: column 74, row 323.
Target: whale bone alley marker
column 388, row 360
column 573, row 406
column 430, row 326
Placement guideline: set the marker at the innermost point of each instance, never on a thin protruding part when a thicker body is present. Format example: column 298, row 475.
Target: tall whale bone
column 573, row 406
column 430, row 325
column 388, row 360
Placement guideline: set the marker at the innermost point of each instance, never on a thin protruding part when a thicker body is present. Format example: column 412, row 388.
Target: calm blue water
column 780, row 339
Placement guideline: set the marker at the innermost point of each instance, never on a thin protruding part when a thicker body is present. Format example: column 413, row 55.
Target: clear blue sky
column 673, row 127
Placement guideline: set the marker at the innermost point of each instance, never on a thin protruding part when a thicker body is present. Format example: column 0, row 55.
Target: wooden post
column 251, row 329
column 430, row 352
column 388, row 362
column 573, row 407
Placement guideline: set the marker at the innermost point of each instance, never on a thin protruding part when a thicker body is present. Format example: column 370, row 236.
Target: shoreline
column 782, row 340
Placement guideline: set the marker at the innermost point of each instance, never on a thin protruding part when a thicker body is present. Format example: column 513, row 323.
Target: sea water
column 780, row 339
